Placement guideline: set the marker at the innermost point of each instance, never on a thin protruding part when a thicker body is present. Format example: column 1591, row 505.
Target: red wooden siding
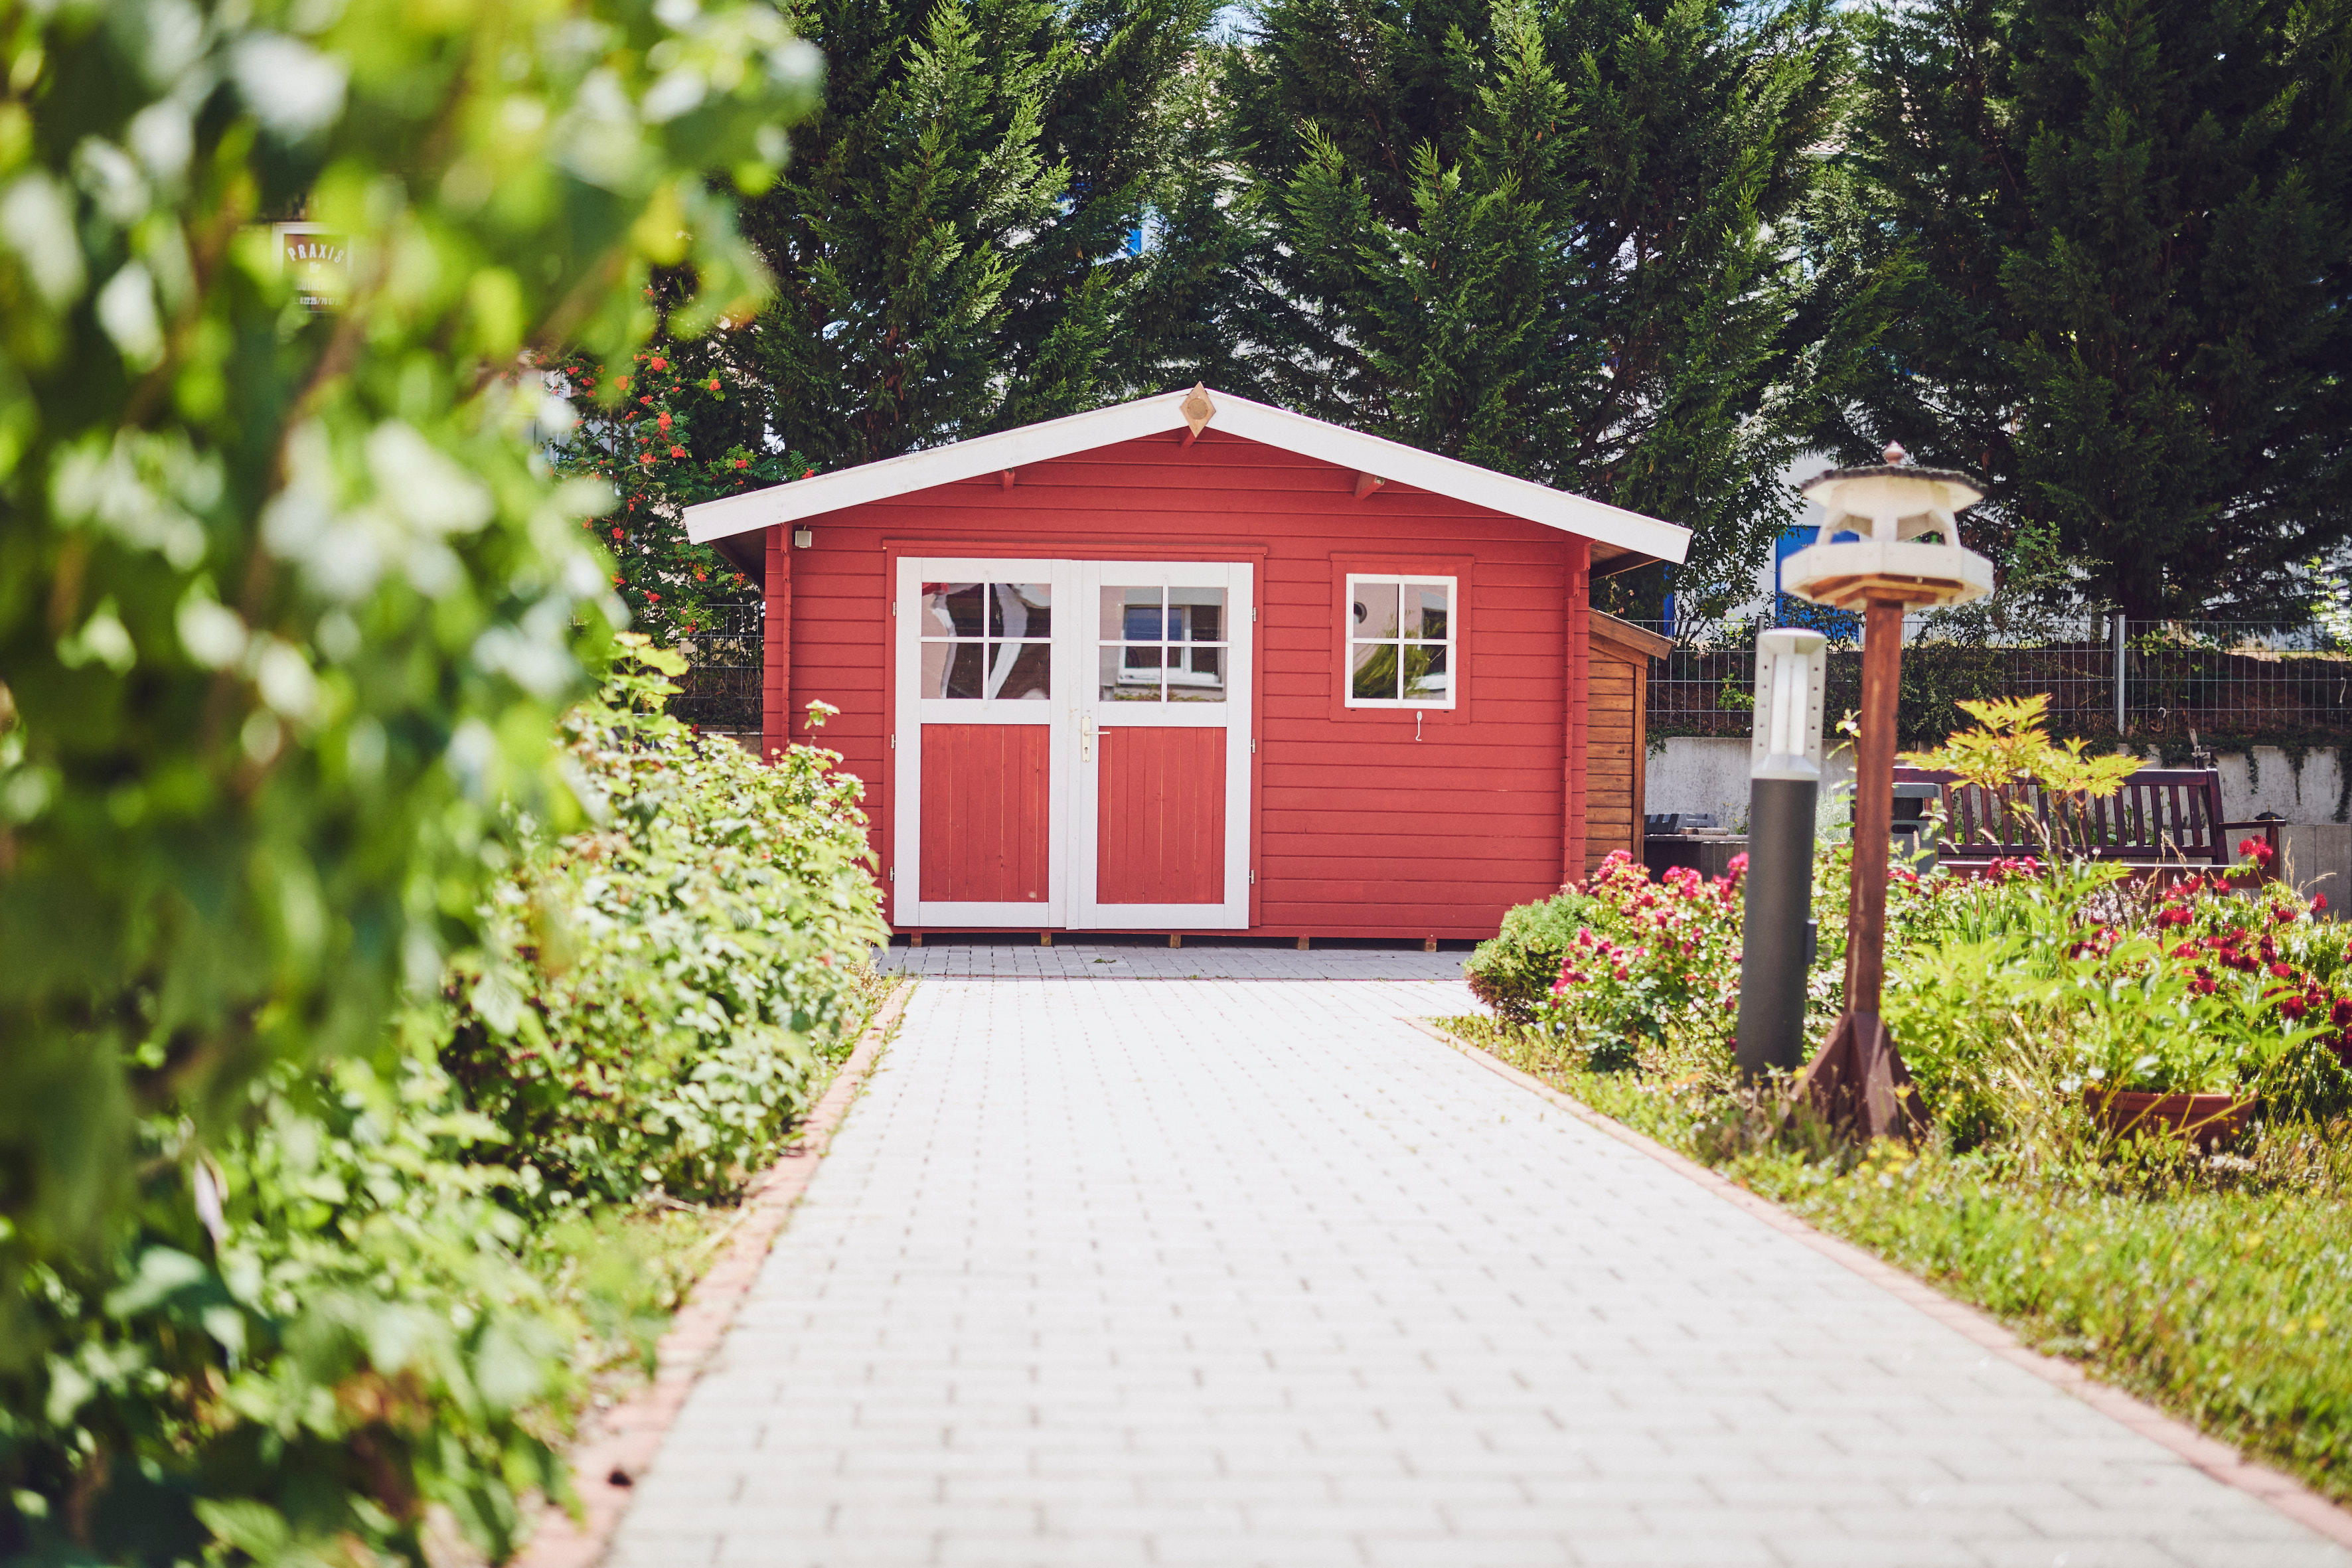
column 1360, row 829
column 1160, row 817
column 986, row 813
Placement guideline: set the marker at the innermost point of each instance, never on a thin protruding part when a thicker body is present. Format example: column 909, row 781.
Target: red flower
column 2281, row 972
column 809, row 474
column 2318, row 902
column 646, row 458
column 616, row 533
column 714, row 383
column 677, row 451
column 742, row 462
column 655, row 597
column 663, row 421
column 660, row 363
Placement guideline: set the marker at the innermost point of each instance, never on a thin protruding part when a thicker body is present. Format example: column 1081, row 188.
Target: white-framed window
column 986, row 642
column 1401, row 641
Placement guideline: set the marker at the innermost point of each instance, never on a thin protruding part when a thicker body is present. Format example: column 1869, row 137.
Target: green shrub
column 1513, row 971
column 1651, row 977
column 335, row 1341
column 290, row 601
column 358, row 1319
column 650, row 1008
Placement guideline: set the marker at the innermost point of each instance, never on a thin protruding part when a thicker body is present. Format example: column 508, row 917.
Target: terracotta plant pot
column 2208, row 1119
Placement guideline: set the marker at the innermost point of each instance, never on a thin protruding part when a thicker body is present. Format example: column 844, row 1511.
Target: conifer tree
column 1539, row 237
column 2098, row 251
column 951, row 240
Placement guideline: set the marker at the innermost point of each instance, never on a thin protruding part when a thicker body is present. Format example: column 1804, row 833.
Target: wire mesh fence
column 720, row 689
column 2227, row 684
column 2168, row 684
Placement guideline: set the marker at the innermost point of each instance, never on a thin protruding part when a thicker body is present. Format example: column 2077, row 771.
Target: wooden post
column 776, row 646
column 1858, row 1084
column 1873, row 804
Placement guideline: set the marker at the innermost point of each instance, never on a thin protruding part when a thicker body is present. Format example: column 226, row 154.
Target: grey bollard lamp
column 1784, row 781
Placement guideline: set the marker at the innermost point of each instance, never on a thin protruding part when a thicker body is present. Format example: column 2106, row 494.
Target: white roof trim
column 1390, row 461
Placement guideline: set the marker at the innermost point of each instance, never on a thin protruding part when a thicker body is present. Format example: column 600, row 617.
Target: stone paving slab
column 1134, row 961
column 1248, row 1272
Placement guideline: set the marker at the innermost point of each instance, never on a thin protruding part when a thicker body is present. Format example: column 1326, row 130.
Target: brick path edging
column 2215, row 1458
column 606, row 1468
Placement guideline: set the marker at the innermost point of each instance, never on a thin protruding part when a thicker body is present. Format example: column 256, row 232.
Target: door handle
column 1086, row 736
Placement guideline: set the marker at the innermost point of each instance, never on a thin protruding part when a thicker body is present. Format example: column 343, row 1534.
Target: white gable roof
column 1388, row 460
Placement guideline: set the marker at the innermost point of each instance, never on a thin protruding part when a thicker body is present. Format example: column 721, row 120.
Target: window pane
column 952, row 609
column 1426, row 607
column 1021, row 671
column 1425, row 675
column 1375, row 667
column 1130, row 674
column 952, row 670
column 1196, row 674
column 1375, row 610
column 1131, row 613
column 1021, row 609
column 1196, row 615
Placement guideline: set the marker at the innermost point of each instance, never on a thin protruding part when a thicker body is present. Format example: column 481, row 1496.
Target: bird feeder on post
column 1883, row 567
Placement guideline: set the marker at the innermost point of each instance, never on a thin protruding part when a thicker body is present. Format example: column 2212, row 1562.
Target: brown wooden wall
column 1615, row 751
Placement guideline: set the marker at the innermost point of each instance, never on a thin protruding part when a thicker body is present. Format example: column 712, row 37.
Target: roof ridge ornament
column 1197, row 411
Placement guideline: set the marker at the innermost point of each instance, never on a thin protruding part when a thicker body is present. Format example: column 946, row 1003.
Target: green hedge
column 646, row 1016
column 363, row 1320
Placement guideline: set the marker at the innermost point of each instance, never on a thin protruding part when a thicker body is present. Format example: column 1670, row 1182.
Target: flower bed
column 2211, row 1278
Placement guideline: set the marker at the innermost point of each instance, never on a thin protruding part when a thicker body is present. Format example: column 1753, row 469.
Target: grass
column 2217, row 1288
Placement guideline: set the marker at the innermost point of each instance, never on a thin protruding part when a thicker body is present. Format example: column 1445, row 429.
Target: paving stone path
column 1234, row 1272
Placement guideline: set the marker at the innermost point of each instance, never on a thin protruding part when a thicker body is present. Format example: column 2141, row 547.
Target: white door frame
column 1076, row 713
column 911, row 710
column 1093, row 713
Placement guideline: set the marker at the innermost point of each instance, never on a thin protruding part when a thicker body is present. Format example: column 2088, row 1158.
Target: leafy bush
column 363, row 1312
column 1513, row 971
column 289, row 600
column 1651, row 975
column 336, row 1341
column 650, row 1006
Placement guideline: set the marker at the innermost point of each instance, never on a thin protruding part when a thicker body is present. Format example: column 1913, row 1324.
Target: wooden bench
column 2160, row 818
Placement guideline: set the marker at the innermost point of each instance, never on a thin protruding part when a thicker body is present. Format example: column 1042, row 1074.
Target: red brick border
column 624, row 1439
column 2215, row 1458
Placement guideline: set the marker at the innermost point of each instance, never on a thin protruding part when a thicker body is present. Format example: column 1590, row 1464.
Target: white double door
column 1072, row 743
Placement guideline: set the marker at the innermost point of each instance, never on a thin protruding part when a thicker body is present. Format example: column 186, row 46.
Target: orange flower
column 714, row 383
column 660, row 363
column 677, row 451
column 663, row 421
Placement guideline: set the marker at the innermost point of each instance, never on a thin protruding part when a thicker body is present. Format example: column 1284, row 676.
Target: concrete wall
column 1711, row 775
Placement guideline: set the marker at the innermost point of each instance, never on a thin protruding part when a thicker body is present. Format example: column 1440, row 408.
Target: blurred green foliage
column 287, row 599
column 290, row 601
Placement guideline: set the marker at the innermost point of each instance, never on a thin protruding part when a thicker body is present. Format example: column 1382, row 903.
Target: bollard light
column 1858, row 1082
column 1784, row 779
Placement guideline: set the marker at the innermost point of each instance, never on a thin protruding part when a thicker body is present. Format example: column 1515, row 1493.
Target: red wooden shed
column 1195, row 664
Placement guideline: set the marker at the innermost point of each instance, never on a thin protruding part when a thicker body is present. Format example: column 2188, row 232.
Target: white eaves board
column 1235, row 416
